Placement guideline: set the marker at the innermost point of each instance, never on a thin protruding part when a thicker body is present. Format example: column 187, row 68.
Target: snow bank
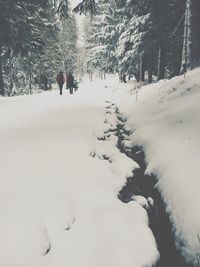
column 166, row 121
column 58, row 205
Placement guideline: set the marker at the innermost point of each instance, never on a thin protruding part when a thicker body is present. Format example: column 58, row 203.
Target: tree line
column 37, row 38
column 160, row 38
column 147, row 39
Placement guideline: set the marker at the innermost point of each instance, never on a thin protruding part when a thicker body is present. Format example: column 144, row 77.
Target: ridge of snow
column 165, row 121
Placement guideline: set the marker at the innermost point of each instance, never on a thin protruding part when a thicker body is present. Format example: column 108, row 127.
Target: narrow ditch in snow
column 144, row 186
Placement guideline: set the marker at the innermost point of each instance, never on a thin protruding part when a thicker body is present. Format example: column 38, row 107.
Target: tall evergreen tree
column 19, row 24
column 191, row 37
column 85, row 7
column 102, row 38
column 22, row 27
column 69, row 38
column 27, row 31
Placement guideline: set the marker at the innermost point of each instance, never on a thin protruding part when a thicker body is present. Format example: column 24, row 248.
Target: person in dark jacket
column 60, row 80
column 70, row 82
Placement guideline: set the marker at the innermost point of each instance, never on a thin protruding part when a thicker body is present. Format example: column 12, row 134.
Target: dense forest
column 148, row 40
column 159, row 37
column 37, row 38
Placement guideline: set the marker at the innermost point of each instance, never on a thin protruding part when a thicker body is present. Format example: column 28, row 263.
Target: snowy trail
column 58, row 205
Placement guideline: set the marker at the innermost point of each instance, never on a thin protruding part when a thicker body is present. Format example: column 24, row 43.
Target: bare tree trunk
column 184, row 53
column 137, row 76
column 91, row 76
column 124, row 78
column 30, row 76
column 40, row 74
column 187, row 39
column 189, row 42
column 150, row 76
column 2, row 88
column 120, row 76
column 150, row 66
column 142, row 69
column 161, row 62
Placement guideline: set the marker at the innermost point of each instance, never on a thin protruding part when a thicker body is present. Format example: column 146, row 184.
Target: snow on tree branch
column 86, row 6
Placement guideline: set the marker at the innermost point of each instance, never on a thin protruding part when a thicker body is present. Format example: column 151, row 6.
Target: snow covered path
column 59, row 205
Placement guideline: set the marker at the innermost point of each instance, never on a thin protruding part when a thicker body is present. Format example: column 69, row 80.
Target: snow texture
column 58, row 203
column 165, row 121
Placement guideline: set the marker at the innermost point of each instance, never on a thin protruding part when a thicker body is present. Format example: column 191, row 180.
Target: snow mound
column 166, row 121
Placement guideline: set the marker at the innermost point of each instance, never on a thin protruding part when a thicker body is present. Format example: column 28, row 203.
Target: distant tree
column 102, row 38
column 68, row 42
column 19, row 24
column 196, row 32
column 191, row 37
column 28, row 32
column 85, row 7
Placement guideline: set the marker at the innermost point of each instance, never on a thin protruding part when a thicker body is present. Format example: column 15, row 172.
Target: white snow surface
column 58, row 204
column 166, row 122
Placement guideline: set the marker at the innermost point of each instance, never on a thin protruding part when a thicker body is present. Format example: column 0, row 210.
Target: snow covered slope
column 166, row 122
column 59, row 205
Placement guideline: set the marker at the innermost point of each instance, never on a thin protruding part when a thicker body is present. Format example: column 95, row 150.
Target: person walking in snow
column 70, row 82
column 60, row 80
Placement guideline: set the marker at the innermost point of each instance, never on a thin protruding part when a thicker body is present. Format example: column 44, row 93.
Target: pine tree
column 147, row 35
column 22, row 27
column 133, row 46
column 69, row 37
column 50, row 60
column 102, row 38
column 85, row 7
column 191, row 37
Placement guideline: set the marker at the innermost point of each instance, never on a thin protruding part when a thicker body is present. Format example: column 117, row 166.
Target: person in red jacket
column 60, row 80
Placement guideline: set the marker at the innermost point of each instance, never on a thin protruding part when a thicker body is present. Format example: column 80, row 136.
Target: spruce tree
column 69, row 38
column 22, row 27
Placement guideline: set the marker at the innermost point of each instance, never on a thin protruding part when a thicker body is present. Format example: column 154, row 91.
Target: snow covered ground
column 58, row 204
column 166, row 122
column 60, row 179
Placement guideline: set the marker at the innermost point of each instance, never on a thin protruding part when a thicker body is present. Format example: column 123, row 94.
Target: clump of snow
column 121, row 165
column 141, row 200
column 165, row 121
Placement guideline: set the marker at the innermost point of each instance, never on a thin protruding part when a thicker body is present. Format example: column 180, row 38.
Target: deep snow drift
column 166, row 121
column 59, row 205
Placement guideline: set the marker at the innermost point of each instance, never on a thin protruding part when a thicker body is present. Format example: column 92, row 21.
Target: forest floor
column 87, row 178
